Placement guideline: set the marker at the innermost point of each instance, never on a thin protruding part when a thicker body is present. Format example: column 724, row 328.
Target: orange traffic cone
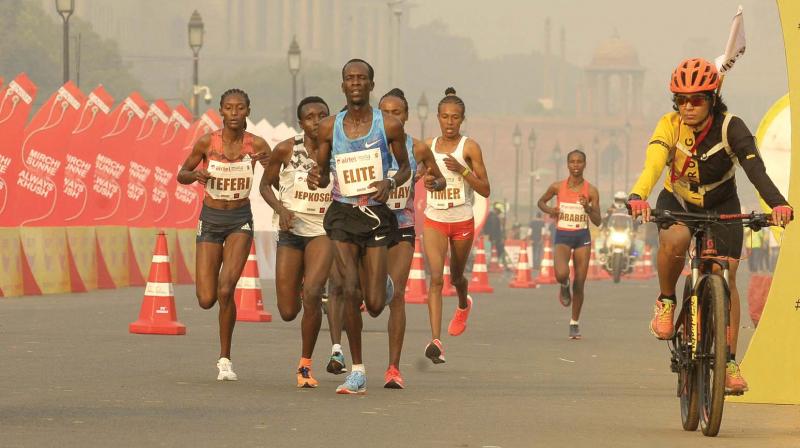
column 547, row 271
column 643, row 268
column 249, row 306
column 158, row 315
column 480, row 278
column 494, row 264
column 416, row 288
column 448, row 290
column 594, row 268
column 524, row 279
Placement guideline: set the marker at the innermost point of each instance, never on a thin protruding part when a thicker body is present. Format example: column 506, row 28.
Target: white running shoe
column 226, row 372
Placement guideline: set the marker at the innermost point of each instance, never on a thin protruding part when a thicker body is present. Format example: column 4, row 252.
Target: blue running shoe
column 336, row 364
column 355, row 383
column 389, row 289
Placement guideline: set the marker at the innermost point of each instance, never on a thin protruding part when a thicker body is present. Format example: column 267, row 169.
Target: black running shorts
column 364, row 226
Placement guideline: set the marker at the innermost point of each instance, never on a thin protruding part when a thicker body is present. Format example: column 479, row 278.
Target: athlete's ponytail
column 451, row 97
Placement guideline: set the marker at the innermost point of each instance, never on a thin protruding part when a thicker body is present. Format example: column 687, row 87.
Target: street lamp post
column 516, row 140
column 627, row 153
column 422, row 113
column 196, row 43
column 557, row 160
column 65, row 8
column 531, row 179
column 596, row 145
column 294, row 69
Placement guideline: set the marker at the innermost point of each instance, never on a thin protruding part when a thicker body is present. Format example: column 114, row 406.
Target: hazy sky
column 663, row 32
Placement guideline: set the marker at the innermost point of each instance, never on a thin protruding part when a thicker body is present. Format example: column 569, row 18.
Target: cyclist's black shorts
column 727, row 237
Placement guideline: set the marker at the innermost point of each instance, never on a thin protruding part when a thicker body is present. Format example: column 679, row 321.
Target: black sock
column 662, row 297
column 732, row 357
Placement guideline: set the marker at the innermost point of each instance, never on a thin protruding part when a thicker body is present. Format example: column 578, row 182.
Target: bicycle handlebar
column 753, row 220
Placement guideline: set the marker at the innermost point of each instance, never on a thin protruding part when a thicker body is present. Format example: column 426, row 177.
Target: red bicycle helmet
column 694, row 75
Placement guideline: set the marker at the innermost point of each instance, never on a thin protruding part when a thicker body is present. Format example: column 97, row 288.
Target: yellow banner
column 10, row 262
column 773, row 360
column 143, row 241
column 83, row 248
column 113, row 243
column 45, row 248
column 187, row 246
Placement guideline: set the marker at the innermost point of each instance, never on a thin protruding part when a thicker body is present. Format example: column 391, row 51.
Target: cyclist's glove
column 637, row 205
column 782, row 214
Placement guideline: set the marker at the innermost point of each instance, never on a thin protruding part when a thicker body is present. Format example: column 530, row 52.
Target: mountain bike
column 700, row 347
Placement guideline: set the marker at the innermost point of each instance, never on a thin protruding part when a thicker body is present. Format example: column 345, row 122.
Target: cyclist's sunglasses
column 694, row 100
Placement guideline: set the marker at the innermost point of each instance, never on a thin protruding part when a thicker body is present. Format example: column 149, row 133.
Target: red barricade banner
column 168, row 162
column 80, row 156
column 38, row 179
column 16, row 101
column 109, row 187
column 137, row 205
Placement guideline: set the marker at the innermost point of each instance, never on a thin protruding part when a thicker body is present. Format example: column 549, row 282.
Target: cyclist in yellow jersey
column 701, row 144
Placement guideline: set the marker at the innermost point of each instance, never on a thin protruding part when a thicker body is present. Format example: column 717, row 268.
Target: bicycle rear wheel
column 688, row 389
column 713, row 351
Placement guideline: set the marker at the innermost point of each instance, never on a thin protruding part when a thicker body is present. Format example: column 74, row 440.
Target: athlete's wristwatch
column 392, row 183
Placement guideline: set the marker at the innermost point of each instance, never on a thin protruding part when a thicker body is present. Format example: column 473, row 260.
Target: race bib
column 399, row 197
column 301, row 199
column 230, row 181
column 452, row 195
column 355, row 171
column 572, row 217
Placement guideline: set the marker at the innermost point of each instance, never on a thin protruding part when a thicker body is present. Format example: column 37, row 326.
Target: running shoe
column 355, row 383
column 574, row 331
column 304, row 378
column 435, row 351
column 459, row 322
column 226, row 372
column 336, row 364
column 392, row 379
column 662, row 325
column 735, row 383
column 564, row 295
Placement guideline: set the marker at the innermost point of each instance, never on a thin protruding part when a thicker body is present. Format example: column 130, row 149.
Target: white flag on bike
column 736, row 44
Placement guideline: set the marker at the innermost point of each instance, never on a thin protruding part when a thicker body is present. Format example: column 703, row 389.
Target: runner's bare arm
column 262, row 151
column 396, row 137
column 281, row 155
column 594, row 206
column 187, row 173
column 476, row 176
column 434, row 180
column 319, row 176
column 552, row 190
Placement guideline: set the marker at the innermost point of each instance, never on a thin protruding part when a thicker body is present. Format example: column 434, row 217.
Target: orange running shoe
column 435, row 351
column 662, row 325
column 735, row 383
column 459, row 322
column 304, row 378
column 392, row 378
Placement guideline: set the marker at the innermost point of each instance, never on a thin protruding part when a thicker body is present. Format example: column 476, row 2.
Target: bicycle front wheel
column 688, row 389
column 713, row 353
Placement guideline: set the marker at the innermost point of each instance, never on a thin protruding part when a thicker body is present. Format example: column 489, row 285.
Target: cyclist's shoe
column 662, row 325
column 564, row 294
column 735, row 383
column 336, row 364
column 226, row 372
column 304, row 378
column 459, row 322
column 392, row 379
column 574, row 331
column 435, row 351
column 355, row 383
